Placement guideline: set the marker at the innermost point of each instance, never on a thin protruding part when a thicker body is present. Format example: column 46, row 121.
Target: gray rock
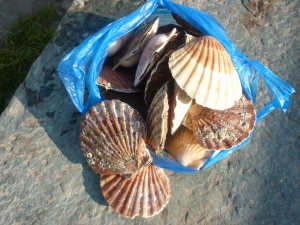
column 44, row 178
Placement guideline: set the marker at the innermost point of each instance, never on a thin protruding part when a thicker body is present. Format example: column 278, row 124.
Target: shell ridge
column 153, row 204
column 136, row 207
column 111, row 129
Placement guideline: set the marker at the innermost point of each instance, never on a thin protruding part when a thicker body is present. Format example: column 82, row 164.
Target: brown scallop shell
column 112, row 139
column 146, row 194
column 151, row 54
column 186, row 26
column 185, row 149
column 223, row 129
column 161, row 72
column 179, row 106
column 157, row 120
column 205, row 71
column 130, row 55
column 120, row 80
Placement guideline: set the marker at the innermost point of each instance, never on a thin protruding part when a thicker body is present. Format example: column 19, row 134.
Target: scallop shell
column 130, row 55
column 146, row 194
column 157, row 120
column 161, row 72
column 185, row 149
column 135, row 100
column 118, row 44
column 112, row 139
column 223, row 129
column 151, row 55
column 179, row 106
column 120, row 80
column 186, row 26
column 205, row 71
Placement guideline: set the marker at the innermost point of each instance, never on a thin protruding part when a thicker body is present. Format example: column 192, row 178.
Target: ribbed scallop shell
column 179, row 106
column 157, row 120
column 146, row 194
column 130, row 55
column 151, row 55
column 112, row 139
column 118, row 44
column 185, row 149
column 186, row 26
column 120, row 80
column 222, row 129
column 205, row 71
column 161, row 72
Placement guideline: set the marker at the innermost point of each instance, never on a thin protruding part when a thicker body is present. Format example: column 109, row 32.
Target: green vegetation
column 21, row 46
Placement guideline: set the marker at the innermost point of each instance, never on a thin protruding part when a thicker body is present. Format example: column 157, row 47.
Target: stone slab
column 45, row 180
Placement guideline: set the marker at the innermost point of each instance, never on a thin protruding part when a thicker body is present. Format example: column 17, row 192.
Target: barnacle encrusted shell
column 120, row 80
column 205, row 71
column 157, row 120
column 146, row 194
column 179, row 106
column 186, row 26
column 185, row 149
column 130, row 55
column 112, row 139
column 118, row 44
column 151, row 55
column 222, row 129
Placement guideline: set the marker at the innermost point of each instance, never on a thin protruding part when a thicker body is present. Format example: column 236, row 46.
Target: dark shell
column 112, row 139
column 161, row 72
column 151, row 54
column 135, row 100
column 186, row 26
column 120, row 80
column 157, row 120
column 146, row 194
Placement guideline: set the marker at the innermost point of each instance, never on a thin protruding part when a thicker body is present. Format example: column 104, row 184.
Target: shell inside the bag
column 185, row 149
column 222, row 129
column 157, row 120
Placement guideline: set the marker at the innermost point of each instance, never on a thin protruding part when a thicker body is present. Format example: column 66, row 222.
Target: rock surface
column 44, row 178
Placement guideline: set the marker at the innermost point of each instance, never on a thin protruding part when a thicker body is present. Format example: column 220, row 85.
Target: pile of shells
column 169, row 89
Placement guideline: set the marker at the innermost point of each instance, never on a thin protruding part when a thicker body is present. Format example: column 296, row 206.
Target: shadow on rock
column 46, row 98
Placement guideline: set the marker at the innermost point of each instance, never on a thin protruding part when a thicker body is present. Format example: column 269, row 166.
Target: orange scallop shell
column 185, row 149
column 222, row 129
column 205, row 71
column 112, row 139
column 157, row 120
column 145, row 194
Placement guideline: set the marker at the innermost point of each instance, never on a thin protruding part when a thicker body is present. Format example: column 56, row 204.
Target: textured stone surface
column 44, row 178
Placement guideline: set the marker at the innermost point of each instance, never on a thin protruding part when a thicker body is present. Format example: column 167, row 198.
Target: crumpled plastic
column 80, row 68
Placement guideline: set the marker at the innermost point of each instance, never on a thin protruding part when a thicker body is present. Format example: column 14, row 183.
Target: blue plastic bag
column 81, row 67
